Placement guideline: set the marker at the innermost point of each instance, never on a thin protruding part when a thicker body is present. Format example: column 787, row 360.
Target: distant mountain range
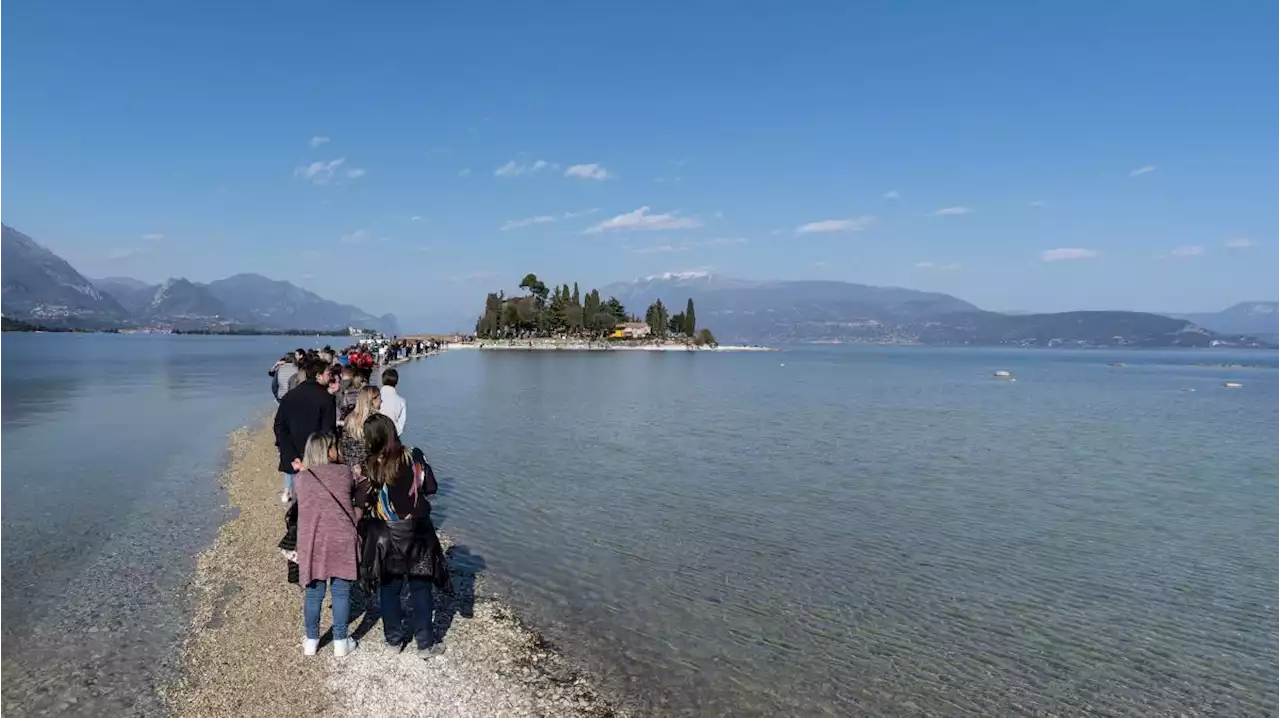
column 1260, row 318
column 743, row 311
column 42, row 288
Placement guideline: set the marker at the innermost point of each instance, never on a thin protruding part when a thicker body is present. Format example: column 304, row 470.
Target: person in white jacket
column 393, row 407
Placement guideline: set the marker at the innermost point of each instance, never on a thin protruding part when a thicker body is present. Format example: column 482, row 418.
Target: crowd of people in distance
column 357, row 515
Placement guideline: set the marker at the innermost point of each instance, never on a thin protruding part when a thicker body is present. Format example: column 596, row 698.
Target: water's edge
column 240, row 654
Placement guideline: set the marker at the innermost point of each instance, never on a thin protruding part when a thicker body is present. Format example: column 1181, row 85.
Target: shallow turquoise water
column 893, row 532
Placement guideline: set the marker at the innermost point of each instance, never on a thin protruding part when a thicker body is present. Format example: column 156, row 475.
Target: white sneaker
column 309, row 646
column 285, row 497
column 344, row 646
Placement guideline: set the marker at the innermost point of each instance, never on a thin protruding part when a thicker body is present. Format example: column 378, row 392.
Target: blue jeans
column 288, row 482
column 420, row 599
column 314, row 601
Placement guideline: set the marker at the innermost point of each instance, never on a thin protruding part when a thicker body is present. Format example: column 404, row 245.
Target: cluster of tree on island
column 560, row 311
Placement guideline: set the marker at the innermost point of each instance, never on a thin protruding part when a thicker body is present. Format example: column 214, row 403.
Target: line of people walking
column 358, row 517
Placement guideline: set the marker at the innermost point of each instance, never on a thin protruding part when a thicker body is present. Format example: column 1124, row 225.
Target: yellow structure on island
column 630, row 330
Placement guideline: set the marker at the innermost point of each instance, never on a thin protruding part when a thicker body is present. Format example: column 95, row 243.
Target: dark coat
column 400, row 548
column 306, row 410
column 290, row 541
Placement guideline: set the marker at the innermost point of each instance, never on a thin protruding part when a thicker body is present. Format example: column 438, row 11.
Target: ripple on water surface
column 888, row 533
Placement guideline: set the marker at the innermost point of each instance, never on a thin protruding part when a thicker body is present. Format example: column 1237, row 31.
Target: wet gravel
column 243, row 654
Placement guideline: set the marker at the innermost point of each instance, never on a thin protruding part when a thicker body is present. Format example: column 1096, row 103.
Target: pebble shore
column 243, row 654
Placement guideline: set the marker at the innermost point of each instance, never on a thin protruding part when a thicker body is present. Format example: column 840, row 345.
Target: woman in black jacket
column 400, row 544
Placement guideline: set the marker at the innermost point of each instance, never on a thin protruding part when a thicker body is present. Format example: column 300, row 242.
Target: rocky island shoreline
column 242, row 655
column 587, row 345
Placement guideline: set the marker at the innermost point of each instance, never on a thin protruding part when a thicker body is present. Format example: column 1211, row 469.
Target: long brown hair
column 386, row 454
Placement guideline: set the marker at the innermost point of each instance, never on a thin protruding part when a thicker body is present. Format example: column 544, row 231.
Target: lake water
column 812, row 532
column 112, row 446
column 884, row 532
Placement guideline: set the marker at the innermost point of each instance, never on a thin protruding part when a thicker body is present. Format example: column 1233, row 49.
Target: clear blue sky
column 1021, row 155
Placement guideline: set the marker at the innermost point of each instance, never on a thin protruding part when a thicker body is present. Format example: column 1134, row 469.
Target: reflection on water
column 112, row 446
column 889, row 532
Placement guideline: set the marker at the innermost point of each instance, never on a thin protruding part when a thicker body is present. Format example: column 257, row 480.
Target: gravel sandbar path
column 243, row 657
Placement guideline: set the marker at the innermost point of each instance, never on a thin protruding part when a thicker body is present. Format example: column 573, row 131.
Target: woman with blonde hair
column 354, row 450
column 328, row 546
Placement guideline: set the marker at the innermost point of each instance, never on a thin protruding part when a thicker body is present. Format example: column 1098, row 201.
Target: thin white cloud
column 357, row 172
column 360, row 236
column 545, row 219
column 1239, row 243
column 416, row 218
column 643, row 219
column 728, row 241
column 1187, row 252
column 956, row 211
column 1067, row 253
column 820, row 265
column 1038, row 203
column 320, row 172
column 526, row 222
column 510, row 169
column 153, row 237
column 515, row 169
column 592, row 172
column 464, row 172
column 892, row 194
column 938, row 267
column 658, row 249
column 318, row 140
column 852, row 224
column 1145, row 169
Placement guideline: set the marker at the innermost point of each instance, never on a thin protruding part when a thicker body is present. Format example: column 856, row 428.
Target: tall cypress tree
column 690, row 321
column 591, row 311
column 574, row 299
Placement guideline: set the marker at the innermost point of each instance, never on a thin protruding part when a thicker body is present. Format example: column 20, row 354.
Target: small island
column 559, row 317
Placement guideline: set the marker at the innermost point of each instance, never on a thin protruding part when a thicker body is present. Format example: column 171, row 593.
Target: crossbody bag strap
column 345, row 510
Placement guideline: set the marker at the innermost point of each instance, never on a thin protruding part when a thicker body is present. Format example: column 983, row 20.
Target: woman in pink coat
column 328, row 547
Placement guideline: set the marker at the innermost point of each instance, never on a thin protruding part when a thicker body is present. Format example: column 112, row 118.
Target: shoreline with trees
column 558, row 317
